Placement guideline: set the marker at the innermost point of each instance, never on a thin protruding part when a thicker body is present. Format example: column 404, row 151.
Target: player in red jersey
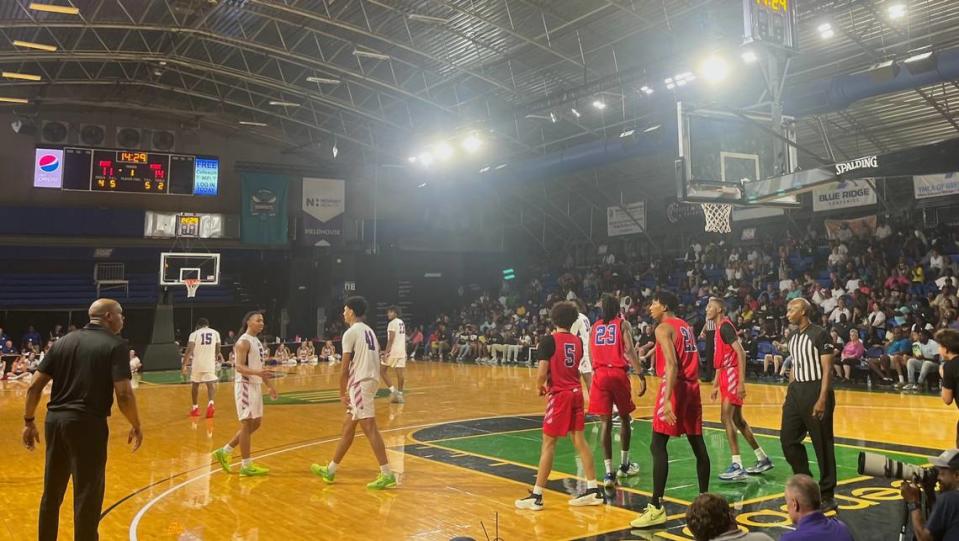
column 679, row 408
column 612, row 352
column 558, row 378
column 729, row 360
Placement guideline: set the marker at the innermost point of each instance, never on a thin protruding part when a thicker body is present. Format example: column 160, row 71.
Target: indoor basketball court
column 470, row 168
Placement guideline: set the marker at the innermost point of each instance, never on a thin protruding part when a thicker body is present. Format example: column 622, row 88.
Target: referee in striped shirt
column 810, row 401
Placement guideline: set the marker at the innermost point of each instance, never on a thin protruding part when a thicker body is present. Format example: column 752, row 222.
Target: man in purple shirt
column 803, row 501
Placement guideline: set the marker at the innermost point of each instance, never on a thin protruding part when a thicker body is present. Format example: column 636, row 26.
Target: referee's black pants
column 798, row 421
column 76, row 447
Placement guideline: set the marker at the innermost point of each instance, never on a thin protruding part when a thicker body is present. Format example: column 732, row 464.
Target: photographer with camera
column 943, row 524
column 948, row 340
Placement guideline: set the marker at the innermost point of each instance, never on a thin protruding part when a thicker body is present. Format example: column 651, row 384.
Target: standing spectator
column 710, row 518
column 937, row 263
column 949, row 372
column 31, row 337
column 87, row 368
column 803, row 503
column 135, row 365
column 56, row 333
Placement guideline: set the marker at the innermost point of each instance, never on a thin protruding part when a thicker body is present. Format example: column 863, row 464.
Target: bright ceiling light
column 472, row 143
column 714, row 69
column 627, row 133
column 411, row 159
column 370, row 54
column 599, row 104
column 896, row 11
column 646, row 90
column 22, row 76
column 443, row 151
column 13, row 100
column 553, row 118
column 284, row 103
column 423, row 185
column 652, row 128
column 323, row 80
column 249, row 123
column 825, row 31
column 50, row 8
column 485, row 169
column 576, row 113
column 32, row 45
column 750, row 56
column 425, row 159
column 426, row 18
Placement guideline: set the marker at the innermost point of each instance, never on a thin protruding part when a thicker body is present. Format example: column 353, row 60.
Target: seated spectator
column 416, row 342
column 497, row 346
column 925, row 359
column 328, row 353
column 283, row 355
column 135, row 365
column 803, row 501
column 853, row 353
column 462, row 348
column 513, row 348
column 710, row 518
column 893, row 357
column 19, row 370
column 439, row 343
column 876, row 322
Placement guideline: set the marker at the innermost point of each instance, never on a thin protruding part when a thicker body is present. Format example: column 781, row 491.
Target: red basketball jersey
column 564, row 363
column 607, row 347
column 724, row 356
column 684, row 344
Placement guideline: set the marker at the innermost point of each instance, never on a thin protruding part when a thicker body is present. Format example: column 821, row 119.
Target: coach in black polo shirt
column 810, row 401
column 87, row 367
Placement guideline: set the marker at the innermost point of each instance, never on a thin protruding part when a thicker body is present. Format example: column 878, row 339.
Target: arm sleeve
column 949, row 375
column 728, row 334
column 347, row 342
column 547, row 346
column 120, row 362
column 943, row 515
column 49, row 363
column 823, row 343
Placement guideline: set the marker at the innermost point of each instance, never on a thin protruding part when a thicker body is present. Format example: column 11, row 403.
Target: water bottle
column 869, row 382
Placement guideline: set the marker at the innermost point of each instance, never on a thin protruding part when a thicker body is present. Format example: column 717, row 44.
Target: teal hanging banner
column 264, row 208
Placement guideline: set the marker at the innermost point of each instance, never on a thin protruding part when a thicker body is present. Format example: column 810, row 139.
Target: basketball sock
column 537, row 490
column 332, row 467
column 195, row 406
column 624, row 457
column 247, row 462
column 738, row 460
column 210, row 403
column 385, row 469
column 392, row 389
column 227, row 449
column 609, row 465
column 760, row 454
column 592, row 484
column 901, row 379
column 660, row 467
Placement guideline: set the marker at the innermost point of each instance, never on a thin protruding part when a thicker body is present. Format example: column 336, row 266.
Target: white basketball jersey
column 361, row 342
column 205, row 341
column 399, row 339
column 254, row 358
column 581, row 329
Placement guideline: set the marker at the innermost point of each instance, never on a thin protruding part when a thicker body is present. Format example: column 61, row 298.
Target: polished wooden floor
column 168, row 489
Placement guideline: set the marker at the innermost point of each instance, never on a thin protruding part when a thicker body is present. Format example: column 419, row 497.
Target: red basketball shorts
column 687, row 406
column 610, row 386
column 729, row 384
column 564, row 413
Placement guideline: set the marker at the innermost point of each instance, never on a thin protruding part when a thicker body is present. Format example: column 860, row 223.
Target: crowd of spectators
column 883, row 294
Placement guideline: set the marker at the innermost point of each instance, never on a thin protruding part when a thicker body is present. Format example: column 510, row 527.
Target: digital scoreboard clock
column 125, row 171
column 770, row 22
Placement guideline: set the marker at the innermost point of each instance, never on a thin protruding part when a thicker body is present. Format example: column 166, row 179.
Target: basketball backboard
column 175, row 267
column 721, row 152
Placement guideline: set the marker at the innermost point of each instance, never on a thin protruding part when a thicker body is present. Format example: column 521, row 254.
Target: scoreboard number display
column 770, row 22
column 125, row 171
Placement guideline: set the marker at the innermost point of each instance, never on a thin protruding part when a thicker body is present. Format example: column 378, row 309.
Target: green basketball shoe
column 383, row 481
column 322, row 472
column 253, row 470
column 223, row 458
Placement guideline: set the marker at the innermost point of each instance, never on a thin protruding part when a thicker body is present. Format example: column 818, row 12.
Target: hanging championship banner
column 324, row 203
column 844, row 195
column 865, row 226
column 626, row 220
column 263, row 220
column 925, row 186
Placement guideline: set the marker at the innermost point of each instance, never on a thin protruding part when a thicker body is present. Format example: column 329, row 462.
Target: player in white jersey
column 581, row 329
column 359, row 381
column 250, row 375
column 202, row 350
column 395, row 354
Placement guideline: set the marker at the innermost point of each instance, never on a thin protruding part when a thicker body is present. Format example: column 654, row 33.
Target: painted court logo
column 48, row 163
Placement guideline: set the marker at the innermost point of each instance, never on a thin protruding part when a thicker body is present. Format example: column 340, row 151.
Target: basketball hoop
column 718, row 217
column 192, row 284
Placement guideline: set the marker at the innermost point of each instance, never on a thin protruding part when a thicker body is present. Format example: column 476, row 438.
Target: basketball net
column 192, row 284
column 718, row 217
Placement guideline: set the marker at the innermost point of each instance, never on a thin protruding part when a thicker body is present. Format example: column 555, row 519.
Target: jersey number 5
column 569, row 355
column 605, row 335
column 689, row 342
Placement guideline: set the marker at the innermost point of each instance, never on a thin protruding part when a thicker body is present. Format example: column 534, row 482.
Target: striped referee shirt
column 806, row 347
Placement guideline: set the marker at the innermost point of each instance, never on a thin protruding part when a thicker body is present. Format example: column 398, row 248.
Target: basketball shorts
column 687, row 406
column 203, row 377
column 611, row 387
column 564, row 413
column 585, row 366
column 249, row 400
column 362, row 394
column 729, row 385
column 394, row 362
